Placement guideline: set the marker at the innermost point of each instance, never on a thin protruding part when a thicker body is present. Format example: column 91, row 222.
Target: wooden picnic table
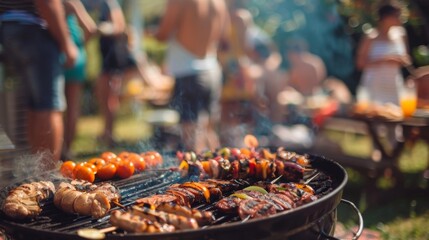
column 389, row 150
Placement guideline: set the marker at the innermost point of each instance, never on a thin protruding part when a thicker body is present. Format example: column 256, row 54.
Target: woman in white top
column 380, row 56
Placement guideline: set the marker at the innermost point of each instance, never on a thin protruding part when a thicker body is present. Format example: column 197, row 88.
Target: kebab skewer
column 233, row 163
column 86, row 199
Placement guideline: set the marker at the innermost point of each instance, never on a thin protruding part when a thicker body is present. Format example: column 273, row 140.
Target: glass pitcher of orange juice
column 408, row 99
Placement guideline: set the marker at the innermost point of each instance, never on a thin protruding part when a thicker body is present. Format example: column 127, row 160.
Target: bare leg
column 107, row 93
column 188, row 135
column 206, row 136
column 45, row 132
column 73, row 93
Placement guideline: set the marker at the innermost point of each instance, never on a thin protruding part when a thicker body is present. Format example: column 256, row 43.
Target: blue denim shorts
column 32, row 57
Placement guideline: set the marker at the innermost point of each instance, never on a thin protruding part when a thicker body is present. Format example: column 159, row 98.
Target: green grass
column 129, row 127
column 397, row 213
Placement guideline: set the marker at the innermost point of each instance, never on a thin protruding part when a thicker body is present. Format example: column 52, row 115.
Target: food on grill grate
column 137, row 224
column 83, row 198
column 174, row 207
column 24, row 201
column 191, row 193
column 254, row 203
column 202, row 217
column 110, row 165
column 233, row 163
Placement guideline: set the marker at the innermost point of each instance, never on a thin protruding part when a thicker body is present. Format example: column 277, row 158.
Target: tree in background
column 332, row 29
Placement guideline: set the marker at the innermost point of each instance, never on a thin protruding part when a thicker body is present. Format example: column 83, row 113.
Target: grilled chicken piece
column 202, row 217
column 177, row 221
column 100, row 205
column 136, row 224
column 24, row 201
column 95, row 203
column 156, row 200
column 111, row 192
column 83, row 204
column 67, row 200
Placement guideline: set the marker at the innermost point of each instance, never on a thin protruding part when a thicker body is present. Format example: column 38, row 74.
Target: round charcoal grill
column 315, row 220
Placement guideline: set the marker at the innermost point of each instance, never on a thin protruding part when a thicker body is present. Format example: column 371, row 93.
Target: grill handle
column 360, row 229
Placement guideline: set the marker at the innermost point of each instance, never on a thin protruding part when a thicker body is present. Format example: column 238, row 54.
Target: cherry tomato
column 125, row 169
column 107, row 156
column 138, row 161
column 107, row 171
column 67, row 169
column 124, row 155
column 116, row 161
column 76, row 168
column 92, row 166
column 153, row 158
column 85, row 173
column 98, row 162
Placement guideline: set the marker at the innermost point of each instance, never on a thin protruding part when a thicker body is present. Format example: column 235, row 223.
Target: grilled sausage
column 136, row 224
column 202, row 217
column 177, row 221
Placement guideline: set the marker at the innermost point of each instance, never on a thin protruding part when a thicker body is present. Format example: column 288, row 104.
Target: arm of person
column 52, row 11
column 116, row 24
column 169, row 20
column 362, row 53
column 85, row 21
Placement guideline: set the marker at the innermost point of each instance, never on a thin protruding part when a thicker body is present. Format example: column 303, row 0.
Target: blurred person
column 193, row 30
column 306, row 70
column 33, row 35
column 381, row 54
column 81, row 28
column 239, row 87
column 118, row 64
column 307, row 78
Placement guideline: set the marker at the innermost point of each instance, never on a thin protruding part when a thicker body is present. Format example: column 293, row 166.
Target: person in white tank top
column 381, row 54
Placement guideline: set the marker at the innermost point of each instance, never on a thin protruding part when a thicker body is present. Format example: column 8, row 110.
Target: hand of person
column 106, row 29
column 71, row 54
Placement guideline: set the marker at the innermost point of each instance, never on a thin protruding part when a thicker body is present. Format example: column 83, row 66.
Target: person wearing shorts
column 32, row 45
column 117, row 64
column 193, row 38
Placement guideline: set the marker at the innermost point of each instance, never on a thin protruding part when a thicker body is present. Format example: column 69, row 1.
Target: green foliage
column 155, row 50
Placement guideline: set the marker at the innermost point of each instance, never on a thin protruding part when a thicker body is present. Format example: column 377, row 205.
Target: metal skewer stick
column 118, row 204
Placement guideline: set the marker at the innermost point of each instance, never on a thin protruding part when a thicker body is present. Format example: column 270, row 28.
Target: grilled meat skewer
column 136, row 224
column 86, row 199
column 24, row 201
column 202, row 217
column 177, row 221
column 259, row 165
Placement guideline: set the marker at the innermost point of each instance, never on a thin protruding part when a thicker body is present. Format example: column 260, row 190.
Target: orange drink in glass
column 409, row 99
column 408, row 106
